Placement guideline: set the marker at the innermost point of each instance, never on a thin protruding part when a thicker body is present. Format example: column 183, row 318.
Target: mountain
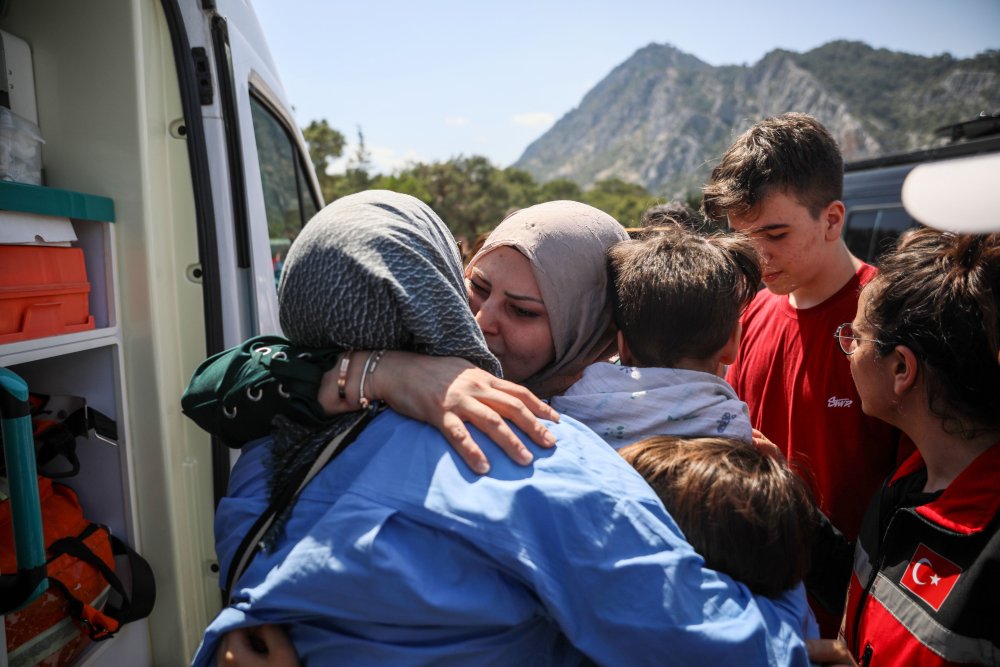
column 663, row 118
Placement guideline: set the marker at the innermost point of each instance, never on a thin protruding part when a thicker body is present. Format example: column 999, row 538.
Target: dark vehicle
column 875, row 217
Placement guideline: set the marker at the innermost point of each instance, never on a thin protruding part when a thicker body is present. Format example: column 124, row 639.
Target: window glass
column 892, row 222
column 858, row 232
column 288, row 202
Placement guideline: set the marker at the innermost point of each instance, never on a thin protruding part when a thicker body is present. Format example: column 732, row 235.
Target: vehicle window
column 858, row 232
column 288, row 201
column 892, row 222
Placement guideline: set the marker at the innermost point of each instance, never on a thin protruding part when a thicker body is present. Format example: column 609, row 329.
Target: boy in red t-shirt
column 781, row 183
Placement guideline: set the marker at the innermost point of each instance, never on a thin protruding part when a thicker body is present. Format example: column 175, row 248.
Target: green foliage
column 325, row 144
column 624, row 201
column 561, row 188
column 470, row 193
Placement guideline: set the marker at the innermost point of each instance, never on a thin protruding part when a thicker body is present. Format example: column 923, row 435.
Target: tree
column 471, row 194
column 464, row 192
column 561, row 188
column 325, row 144
column 622, row 200
column 356, row 177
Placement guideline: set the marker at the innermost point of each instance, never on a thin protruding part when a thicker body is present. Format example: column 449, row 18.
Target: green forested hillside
column 901, row 97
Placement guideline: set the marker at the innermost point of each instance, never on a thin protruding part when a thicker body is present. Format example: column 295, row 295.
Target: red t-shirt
column 797, row 382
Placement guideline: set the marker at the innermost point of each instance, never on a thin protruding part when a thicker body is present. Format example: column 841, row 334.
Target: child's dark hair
column 740, row 506
column 673, row 213
column 678, row 295
column 792, row 153
column 938, row 294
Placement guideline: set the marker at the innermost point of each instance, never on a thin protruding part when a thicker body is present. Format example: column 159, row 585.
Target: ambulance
column 170, row 156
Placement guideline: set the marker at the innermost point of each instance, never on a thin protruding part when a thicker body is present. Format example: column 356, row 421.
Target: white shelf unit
column 89, row 364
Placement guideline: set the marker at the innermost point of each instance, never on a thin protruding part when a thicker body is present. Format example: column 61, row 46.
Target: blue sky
column 433, row 79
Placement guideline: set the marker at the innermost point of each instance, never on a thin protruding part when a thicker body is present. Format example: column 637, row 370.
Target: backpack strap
column 289, row 493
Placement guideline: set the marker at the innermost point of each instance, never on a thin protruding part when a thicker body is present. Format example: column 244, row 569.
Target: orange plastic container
column 43, row 292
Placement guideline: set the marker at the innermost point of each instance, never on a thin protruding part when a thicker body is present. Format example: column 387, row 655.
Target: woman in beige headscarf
column 538, row 289
column 562, row 246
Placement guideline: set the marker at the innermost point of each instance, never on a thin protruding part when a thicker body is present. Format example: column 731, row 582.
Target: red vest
column 926, row 578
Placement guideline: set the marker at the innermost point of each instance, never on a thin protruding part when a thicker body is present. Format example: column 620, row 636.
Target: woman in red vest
column 923, row 349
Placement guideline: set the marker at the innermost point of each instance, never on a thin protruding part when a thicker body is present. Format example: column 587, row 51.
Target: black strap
column 285, row 499
column 140, row 605
column 103, row 425
column 17, row 587
column 132, row 607
column 58, row 440
column 78, row 549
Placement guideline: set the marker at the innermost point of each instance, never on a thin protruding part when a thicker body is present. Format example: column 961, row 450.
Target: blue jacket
column 396, row 554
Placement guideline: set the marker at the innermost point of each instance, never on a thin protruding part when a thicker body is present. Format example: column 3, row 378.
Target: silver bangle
column 369, row 369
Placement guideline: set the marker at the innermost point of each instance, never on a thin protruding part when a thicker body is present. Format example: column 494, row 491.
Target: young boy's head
column 739, row 505
column 674, row 212
column 781, row 181
column 678, row 296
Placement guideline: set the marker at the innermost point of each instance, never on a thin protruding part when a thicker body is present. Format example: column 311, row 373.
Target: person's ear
column 832, row 218
column 624, row 353
column 728, row 353
column 905, row 370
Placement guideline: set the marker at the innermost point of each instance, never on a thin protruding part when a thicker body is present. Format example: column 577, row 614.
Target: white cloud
column 457, row 121
column 387, row 160
column 538, row 119
column 383, row 160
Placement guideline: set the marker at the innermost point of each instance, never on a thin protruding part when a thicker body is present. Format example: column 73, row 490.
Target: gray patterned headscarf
column 379, row 270
column 373, row 270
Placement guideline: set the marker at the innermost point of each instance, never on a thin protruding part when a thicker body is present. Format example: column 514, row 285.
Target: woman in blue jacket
column 397, row 553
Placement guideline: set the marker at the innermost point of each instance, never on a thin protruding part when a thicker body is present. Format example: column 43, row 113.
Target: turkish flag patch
column 930, row 576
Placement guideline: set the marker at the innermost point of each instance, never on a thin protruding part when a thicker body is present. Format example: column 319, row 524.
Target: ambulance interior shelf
column 55, row 268
column 25, row 198
column 77, row 363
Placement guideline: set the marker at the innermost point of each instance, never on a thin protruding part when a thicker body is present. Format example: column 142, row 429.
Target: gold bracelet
column 342, row 377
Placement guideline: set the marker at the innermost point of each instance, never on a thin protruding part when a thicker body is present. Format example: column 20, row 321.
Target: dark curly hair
column 938, row 295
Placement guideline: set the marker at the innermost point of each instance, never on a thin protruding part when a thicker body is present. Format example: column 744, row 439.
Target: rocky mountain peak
column 663, row 117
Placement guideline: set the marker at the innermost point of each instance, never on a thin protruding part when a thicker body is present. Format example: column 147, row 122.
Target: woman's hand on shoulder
column 446, row 392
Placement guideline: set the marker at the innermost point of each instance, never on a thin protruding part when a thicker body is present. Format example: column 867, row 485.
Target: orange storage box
column 43, row 292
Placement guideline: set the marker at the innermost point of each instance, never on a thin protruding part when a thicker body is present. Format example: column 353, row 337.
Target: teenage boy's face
column 792, row 243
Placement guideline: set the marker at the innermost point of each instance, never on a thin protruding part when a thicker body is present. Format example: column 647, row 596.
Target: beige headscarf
column 566, row 242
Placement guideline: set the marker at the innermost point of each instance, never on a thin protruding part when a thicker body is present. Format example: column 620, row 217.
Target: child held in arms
column 677, row 300
column 739, row 505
